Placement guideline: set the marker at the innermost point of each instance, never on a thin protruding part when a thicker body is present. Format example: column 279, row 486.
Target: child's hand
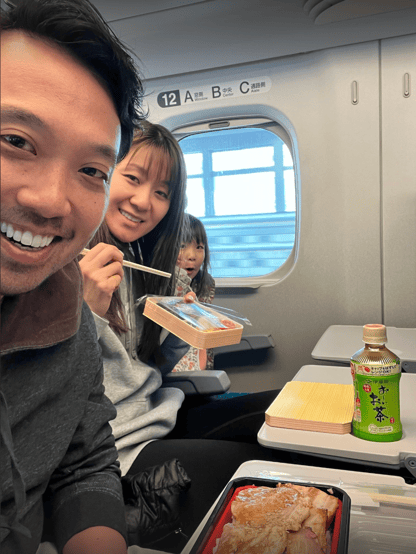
column 103, row 272
column 183, row 282
column 189, row 297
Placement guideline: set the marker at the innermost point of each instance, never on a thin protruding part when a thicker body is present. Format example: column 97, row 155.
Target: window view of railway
column 250, row 235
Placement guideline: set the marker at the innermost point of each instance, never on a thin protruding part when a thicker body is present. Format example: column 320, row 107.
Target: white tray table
column 387, row 455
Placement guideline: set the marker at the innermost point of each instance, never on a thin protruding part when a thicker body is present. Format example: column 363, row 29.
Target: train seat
column 216, row 381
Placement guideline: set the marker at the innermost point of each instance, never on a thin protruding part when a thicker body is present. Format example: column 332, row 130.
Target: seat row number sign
column 210, row 93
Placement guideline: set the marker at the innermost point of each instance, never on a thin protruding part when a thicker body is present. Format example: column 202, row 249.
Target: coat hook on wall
column 406, row 85
column 354, row 92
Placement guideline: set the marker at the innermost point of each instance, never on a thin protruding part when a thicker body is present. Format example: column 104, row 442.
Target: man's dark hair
column 79, row 28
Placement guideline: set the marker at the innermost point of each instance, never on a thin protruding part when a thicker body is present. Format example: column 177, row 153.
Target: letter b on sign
column 216, row 92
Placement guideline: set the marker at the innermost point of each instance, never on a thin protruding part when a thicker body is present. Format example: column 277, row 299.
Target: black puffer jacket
column 152, row 499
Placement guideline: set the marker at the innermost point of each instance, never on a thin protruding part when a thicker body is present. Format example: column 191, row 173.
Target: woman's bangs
column 161, row 160
column 157, row 162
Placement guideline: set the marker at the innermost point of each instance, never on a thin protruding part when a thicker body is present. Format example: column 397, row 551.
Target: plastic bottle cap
column 374, row 333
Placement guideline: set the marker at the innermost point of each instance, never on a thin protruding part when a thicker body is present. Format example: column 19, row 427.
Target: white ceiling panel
column 180, row 36
column 113, row 10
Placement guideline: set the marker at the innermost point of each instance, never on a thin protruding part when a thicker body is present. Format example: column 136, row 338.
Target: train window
column 241, row 185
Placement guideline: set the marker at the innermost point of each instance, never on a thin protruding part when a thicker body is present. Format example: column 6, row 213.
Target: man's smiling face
column 60, row 135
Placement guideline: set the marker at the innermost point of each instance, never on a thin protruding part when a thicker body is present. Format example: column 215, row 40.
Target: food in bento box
column 196, row 315
column 287, row 519
column 197, row 324
column 228, row 323
column 225, row 324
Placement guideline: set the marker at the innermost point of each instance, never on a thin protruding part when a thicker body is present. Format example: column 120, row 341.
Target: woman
column 144, row 224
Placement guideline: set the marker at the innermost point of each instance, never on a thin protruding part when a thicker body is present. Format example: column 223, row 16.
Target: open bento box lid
column 382, row 519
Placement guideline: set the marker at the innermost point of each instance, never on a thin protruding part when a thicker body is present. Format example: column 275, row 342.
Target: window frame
column 265, row 123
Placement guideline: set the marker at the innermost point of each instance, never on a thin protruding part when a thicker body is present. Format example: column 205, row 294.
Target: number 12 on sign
column 169, row 98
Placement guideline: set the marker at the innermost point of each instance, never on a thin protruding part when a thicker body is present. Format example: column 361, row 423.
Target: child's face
column 191, row 257
column 139, row 194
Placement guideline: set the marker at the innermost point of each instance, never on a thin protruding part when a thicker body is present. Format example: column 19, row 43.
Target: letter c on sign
column 241, row 87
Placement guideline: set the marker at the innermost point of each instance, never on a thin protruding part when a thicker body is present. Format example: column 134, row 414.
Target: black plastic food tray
column 340, row 525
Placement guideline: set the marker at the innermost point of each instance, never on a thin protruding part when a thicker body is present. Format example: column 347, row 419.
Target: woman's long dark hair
column 159, row 248
column 194, row 230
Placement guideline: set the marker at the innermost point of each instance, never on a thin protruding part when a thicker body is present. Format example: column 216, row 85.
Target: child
column 192, row 274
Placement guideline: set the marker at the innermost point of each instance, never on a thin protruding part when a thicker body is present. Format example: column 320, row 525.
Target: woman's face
column 139, row 193
column 191, row 257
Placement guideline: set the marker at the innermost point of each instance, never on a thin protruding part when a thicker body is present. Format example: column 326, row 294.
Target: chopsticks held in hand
column 138, row 266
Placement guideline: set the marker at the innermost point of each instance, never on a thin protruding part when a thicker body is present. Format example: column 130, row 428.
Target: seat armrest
column 246, row 344
column 210, row 381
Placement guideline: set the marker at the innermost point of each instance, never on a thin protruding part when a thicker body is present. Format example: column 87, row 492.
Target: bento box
column 219, row 523
column 196, row 324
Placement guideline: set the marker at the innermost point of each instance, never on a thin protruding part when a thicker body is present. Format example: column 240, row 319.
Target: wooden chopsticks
column 138, row 266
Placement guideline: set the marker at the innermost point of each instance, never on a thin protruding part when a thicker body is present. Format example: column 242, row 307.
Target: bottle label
column 375, row 370
column 376, row 401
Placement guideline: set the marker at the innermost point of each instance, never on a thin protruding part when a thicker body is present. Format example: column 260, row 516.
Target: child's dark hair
column 194, row 230
column 159, row 248
column 78, row 28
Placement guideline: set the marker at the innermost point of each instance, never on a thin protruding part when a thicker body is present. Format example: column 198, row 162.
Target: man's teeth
column 26, row 238
column 134, row 219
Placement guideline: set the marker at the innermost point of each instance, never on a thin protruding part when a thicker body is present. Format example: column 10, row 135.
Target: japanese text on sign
column 208, row 93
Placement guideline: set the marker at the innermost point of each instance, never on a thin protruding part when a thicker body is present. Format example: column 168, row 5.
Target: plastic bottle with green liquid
column 376, row 376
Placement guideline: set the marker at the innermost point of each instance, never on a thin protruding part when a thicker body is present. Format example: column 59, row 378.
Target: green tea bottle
column 376, row 376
